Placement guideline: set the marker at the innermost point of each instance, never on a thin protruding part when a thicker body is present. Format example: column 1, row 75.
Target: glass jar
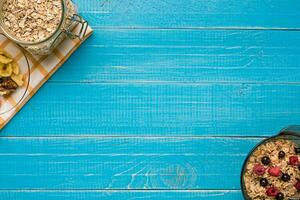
column 68, row 21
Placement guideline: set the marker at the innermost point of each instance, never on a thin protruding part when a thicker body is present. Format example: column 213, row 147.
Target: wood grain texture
column 185, row 56
column 134, row 113
column 122, row 163
column 191, row 13
column 142, row 109
column 120, row 195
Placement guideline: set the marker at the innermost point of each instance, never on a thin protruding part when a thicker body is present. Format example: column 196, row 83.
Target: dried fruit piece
column 8, row 85
column 6, row 70
column 16, row 69
column 297, row 185
column 18, row 79
column 4, row 53
column 293, row 160
column 10, row 77
column 274, row 171
column 259, row 170
column 272, row 191
column 5, row 59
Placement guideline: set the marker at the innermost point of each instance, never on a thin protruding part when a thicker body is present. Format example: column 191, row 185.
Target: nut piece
column 7, row 86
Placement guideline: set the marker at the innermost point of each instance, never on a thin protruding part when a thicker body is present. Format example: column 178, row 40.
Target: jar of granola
column 40, row 25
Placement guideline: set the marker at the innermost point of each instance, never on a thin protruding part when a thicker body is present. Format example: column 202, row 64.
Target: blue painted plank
column 191, row 13
column 252, row 89
column 185, row 56
column 120, row 195
column 122, row 163
column 143, row 109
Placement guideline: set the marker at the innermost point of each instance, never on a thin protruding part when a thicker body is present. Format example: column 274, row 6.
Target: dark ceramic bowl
column 291, row 133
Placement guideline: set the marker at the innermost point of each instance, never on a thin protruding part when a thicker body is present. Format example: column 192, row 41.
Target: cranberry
column 259, row 170
column 272, row 191
column 297, row 185
column 274, row 171
column 293, row 160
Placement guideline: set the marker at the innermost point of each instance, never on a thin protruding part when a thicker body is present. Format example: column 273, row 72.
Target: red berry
column 272, row 191
column 297, row 185
column 259, row 170
column 294, row 160
column 274, row 171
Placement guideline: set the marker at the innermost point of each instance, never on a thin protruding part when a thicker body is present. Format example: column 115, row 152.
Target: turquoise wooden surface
column 162, row 102
column 119, row 194
column 132, row 163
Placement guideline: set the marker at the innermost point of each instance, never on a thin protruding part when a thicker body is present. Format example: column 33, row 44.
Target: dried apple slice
column 18, row 79
column 16, row 69
column 5, row 59
column 6, row 70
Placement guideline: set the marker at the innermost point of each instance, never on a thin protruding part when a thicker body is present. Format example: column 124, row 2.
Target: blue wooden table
column 164, row 101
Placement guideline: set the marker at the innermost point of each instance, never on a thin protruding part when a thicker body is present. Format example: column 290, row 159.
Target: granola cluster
column 273, row 171
column 32, row 20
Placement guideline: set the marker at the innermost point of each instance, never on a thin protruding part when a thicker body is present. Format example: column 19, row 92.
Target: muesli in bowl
column 272, row 170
